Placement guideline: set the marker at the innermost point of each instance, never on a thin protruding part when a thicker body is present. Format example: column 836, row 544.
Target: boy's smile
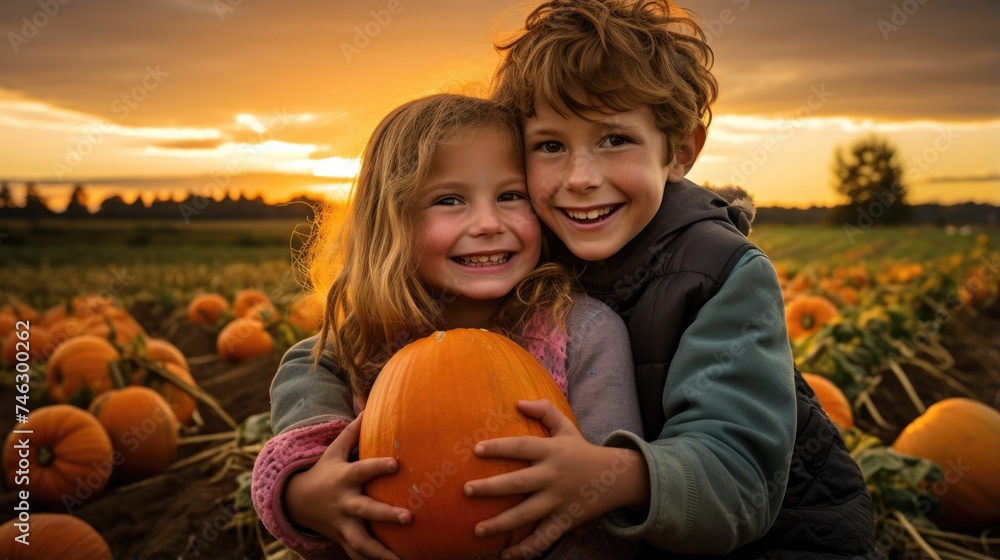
column 596, row 182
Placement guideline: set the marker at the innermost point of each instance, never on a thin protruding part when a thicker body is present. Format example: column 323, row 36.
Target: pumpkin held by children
column 432, row 402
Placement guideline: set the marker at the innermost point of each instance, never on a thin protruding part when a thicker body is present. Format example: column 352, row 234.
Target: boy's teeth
column 483, row 260
column 589, row 214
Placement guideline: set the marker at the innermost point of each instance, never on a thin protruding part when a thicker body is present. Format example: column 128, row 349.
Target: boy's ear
column 686, row 154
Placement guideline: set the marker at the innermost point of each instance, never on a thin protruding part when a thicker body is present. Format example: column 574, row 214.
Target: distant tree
column 77, row 207
column 34, row 203
column 870, row 177
column 5, row 198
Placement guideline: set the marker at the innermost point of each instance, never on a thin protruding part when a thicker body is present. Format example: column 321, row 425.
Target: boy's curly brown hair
column 611, row 56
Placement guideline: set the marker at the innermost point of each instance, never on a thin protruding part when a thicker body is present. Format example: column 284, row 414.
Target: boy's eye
column 511, row 196
column 548, row 147
column 616, row 140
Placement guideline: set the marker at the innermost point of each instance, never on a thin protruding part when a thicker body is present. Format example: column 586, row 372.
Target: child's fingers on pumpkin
column 549, row 415
column 359, row 545
column 348, row 439
column 520, row 481
column 528, row 512
column 370, row 509
column 526, row 448
column 360, row 472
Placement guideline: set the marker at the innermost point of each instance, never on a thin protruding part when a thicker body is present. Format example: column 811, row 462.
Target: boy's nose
column 582, row 174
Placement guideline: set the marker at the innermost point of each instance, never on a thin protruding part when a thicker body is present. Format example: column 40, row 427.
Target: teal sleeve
column 719, row 467
column 304, row 392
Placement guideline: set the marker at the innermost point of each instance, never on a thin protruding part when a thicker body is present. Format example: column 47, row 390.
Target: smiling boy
column 737, row 458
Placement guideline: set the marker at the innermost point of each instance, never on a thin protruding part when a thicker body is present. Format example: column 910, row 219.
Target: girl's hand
column 569, row 481
column 328, row 499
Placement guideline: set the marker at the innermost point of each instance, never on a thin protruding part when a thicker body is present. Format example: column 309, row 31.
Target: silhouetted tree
column 5, row 198
column 77, row 207
column 870, row 178
column 34, row 204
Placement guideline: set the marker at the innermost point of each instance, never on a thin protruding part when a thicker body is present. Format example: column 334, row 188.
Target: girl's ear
column 686, row 154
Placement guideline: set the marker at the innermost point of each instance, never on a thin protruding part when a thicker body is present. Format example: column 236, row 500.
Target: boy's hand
column 569, row 481
column 328, row 498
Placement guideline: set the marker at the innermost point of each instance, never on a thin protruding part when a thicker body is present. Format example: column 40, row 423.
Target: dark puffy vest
column 827, row 511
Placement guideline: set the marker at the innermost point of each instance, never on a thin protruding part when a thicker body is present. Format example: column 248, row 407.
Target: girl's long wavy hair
column 365, row 257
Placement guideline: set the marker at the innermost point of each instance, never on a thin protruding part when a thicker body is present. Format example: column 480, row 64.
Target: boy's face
column 596, row 182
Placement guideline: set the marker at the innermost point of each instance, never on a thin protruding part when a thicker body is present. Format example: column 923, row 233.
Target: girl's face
column 478, row 235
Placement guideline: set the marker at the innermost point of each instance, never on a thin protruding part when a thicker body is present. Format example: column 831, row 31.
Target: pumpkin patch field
column 135, row 363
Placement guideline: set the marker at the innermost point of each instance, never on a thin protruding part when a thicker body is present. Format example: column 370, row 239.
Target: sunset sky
column 170, row 96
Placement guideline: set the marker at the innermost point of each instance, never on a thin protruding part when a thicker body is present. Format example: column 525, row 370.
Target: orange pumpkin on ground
column 205, row 309
column 143, row 430
column 265, row 313
column 432, row 402
column 54, row 535
column 7, row 322
column 832, row 399
column 69, row 455
column 181, row 402
column 80, row 364
column 963, row 437
column 242, row 339
column 160, row 350
column 39, row 346
column 55, row 313
column 806, row 315
column 306, row 313
column 23, row 311
column 247, row 299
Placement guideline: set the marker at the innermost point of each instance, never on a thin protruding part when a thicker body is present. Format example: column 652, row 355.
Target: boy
column 738, row 458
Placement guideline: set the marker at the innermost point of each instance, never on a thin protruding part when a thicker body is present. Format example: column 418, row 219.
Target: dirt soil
column 180, row 514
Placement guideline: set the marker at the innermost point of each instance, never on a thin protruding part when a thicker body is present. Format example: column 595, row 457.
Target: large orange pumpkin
column 242, row 339
column 433, row 401
column 963, row 437
column 80, row 364
column 143, row 430
column 68, row 455
column 806, row 315
column 832, row 399
column 205, row 309
column 53, row 535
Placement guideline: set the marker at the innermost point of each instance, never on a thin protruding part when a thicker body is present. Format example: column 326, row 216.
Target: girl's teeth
column 484, row 260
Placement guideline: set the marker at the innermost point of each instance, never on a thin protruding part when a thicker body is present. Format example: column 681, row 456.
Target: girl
column 439, row 235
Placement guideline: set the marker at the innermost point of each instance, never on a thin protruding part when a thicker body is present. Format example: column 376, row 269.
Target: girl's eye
column 549, row 147
column 616, row 140
column 511, row 196
column 447, row 201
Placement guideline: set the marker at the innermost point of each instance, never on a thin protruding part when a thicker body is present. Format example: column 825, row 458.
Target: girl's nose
column 486, row 221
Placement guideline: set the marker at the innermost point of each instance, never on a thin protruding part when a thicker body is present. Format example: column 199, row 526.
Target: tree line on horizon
column 193, row 207
column 868, row 176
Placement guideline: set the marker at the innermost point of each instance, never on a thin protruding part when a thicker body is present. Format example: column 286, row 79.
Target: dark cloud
column 982, row 178
column 941, row 61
